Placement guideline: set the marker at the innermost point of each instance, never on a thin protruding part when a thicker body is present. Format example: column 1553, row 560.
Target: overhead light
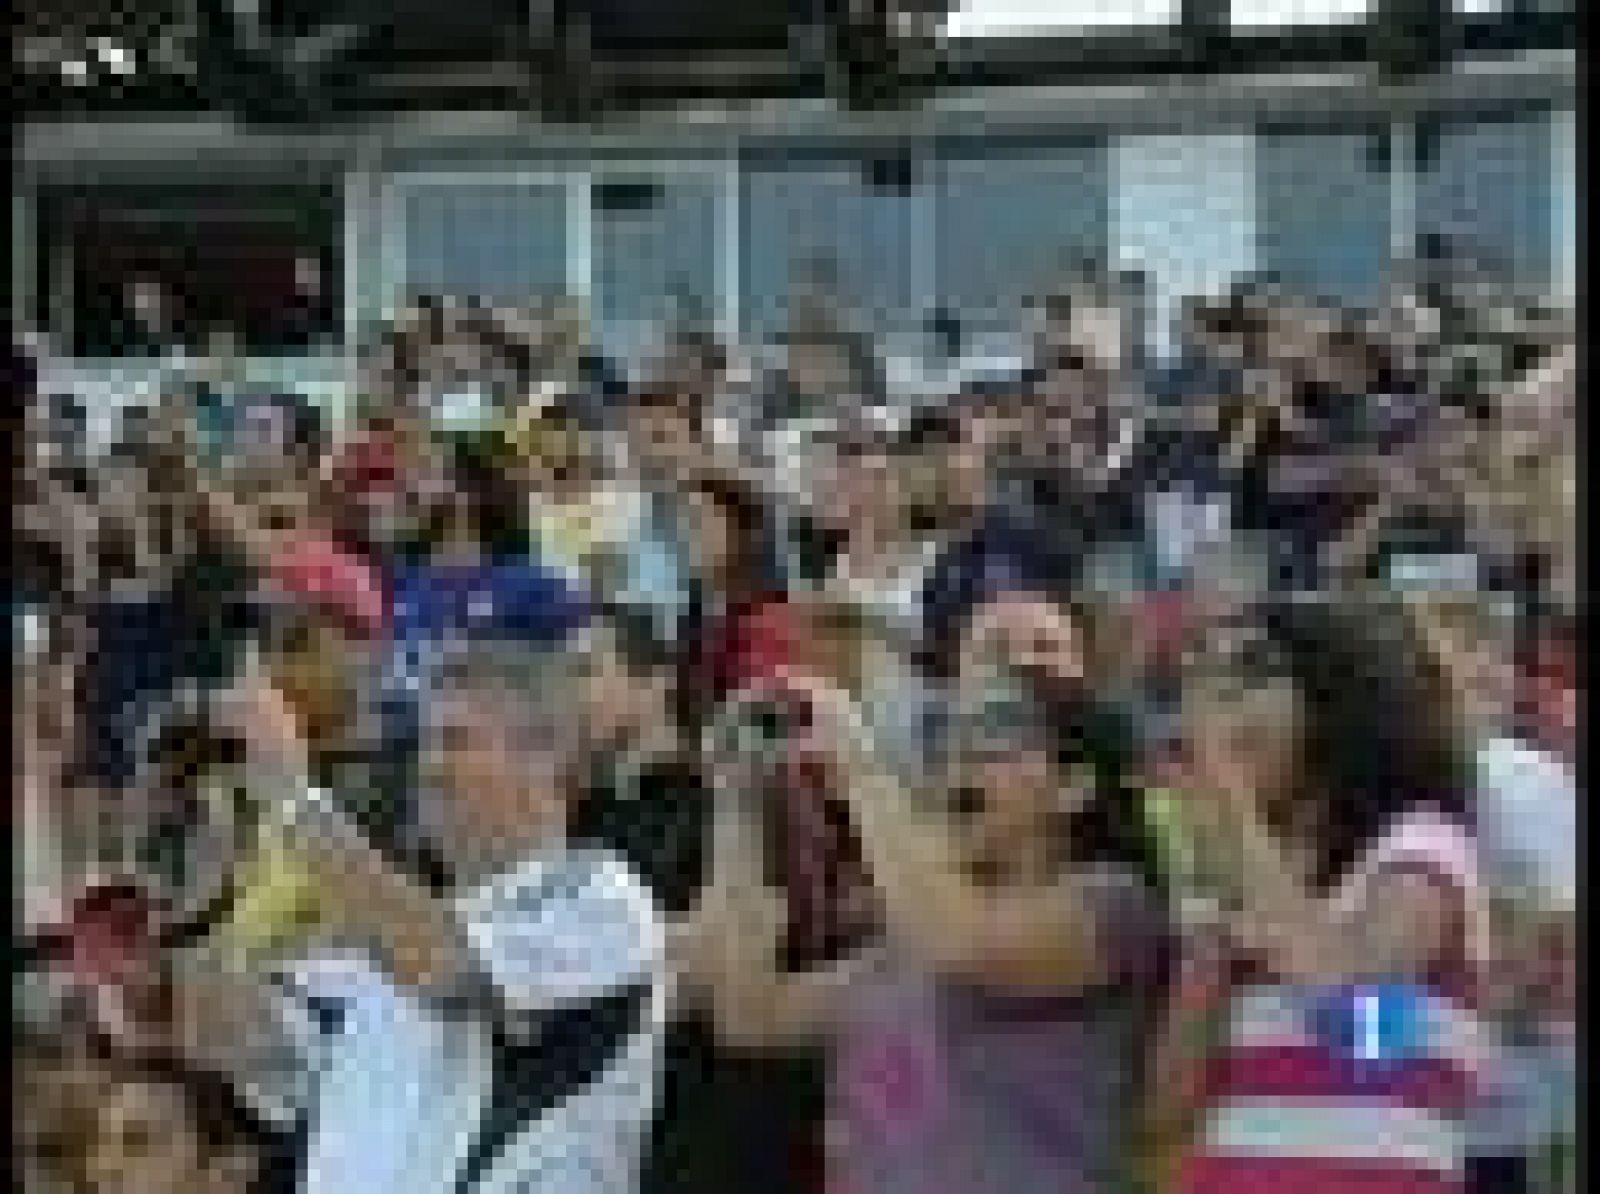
column 1026, row 18
column 41, row 52
column 116, row 57
column 1271, row 13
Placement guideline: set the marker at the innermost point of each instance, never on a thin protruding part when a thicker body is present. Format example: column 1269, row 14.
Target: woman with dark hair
column 1327, row 802
column 741, row 625
column 990, row 1041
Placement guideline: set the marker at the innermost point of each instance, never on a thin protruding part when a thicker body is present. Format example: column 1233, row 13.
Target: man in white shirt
column 1526, row 796
column 499, row 1036
column 1526, row 802
column 1528, row 810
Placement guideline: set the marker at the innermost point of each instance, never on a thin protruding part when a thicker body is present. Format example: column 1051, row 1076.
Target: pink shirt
column 313, row 567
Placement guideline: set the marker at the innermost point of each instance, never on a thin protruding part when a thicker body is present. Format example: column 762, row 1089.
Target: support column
column 1402, row 191
column 1183, row 209
column 1564, row 219
column 580, row 238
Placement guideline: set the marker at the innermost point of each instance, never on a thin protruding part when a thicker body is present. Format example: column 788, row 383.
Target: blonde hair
column 1462, row 633
column 541, row 437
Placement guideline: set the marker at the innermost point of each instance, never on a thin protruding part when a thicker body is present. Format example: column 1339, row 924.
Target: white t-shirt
column 893, row 596
column 402, row 1090
column 1184, row 524
column 1528, row 815
column 1528, row 829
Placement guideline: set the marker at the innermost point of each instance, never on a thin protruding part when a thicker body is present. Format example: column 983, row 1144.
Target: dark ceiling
column 421, row 31
column 578, row 59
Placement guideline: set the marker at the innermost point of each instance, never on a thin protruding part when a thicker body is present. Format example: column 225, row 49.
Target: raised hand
column 1030, row 633
column 731, row 934
column 261, row 715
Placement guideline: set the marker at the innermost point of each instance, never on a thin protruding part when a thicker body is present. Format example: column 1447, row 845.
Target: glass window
column 503, row 242
column 141, row 270
column 1005, row 221
column 854, row 221
column 655, row 247
column 1323, row 211
column 1270, row 13
column 1486, row 194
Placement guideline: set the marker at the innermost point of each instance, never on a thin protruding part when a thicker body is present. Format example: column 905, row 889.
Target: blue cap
column 503, row 599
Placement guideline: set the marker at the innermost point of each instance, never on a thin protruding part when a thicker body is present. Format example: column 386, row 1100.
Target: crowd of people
column 748, row 776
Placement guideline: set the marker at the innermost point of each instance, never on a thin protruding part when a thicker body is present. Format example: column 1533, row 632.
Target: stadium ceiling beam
column 862, row 53
column 86, row 148
column 1203, row 22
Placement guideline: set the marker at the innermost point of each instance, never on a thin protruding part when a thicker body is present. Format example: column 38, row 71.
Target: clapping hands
column 1030, row 633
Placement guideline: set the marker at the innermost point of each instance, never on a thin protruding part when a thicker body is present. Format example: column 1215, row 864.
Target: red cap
column 110, row 929
column 319, row 571
column 1165, row 620
column 370, row 464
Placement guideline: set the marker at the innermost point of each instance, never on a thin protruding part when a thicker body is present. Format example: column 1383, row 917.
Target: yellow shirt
column 572, row 534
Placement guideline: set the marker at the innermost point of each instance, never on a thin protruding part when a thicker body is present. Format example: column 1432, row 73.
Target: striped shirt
column 1368, row 1087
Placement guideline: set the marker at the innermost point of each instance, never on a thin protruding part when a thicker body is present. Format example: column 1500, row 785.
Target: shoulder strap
column 1443, row 847
column 539, row 1060
column 544, row 1061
